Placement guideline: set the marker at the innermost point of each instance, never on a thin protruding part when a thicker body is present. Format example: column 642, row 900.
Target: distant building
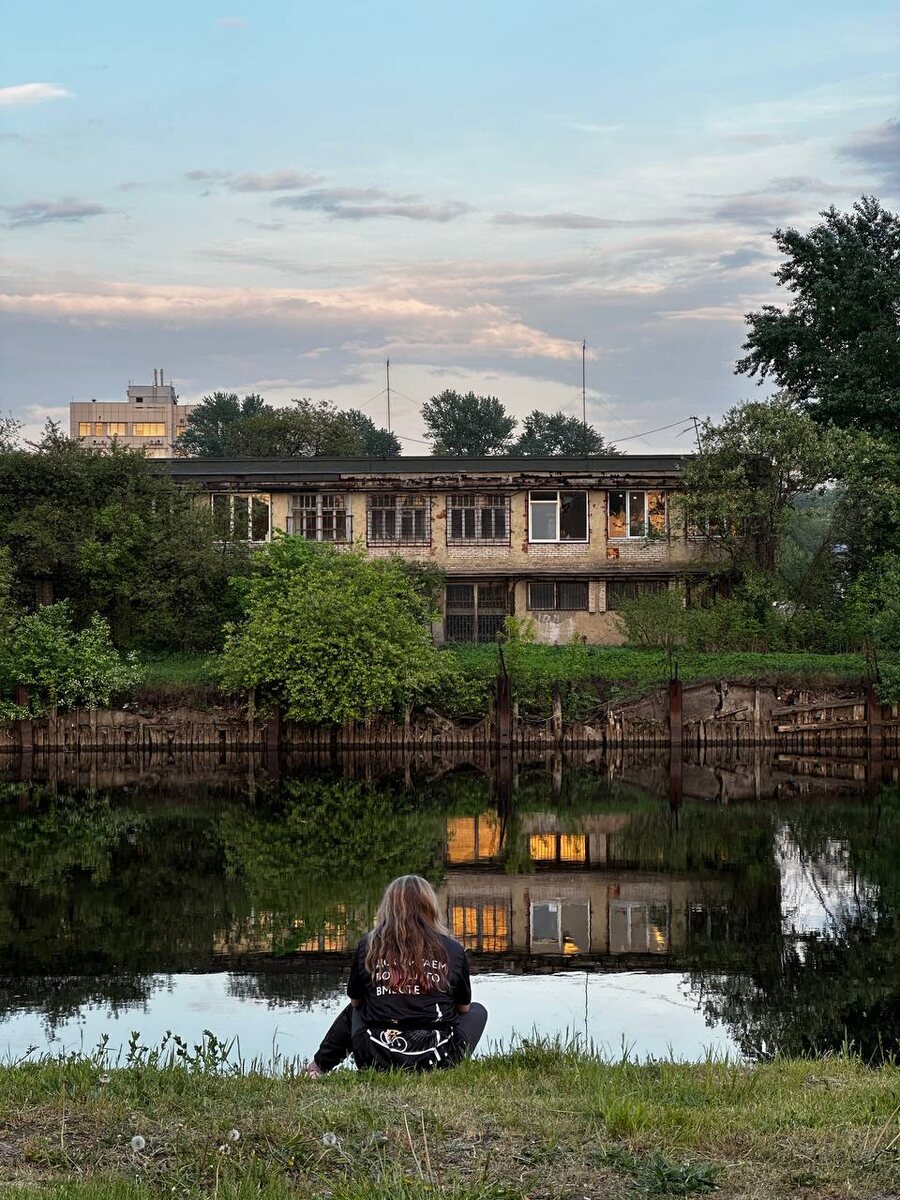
column 150, row 419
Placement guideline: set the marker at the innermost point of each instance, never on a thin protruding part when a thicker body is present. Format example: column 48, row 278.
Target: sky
column 278, row 197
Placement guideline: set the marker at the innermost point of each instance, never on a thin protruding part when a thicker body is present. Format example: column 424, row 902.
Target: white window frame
column 249, row 497
column 635, row 537
column 557, row 539
column 319, row 508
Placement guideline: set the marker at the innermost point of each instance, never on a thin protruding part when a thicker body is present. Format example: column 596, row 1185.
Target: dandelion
column 138, row 1143
column 104, row 1078
column 234, row 1135
column 330, row 1139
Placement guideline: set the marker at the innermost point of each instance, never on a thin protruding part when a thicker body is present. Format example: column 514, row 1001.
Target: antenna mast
column 387, row 367
column 583, row 400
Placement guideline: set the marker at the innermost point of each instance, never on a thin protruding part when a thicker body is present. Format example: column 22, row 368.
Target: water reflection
column 771, row 886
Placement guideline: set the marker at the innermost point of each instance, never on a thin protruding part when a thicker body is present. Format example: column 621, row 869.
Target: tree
column 10, row 428
column 739, row 489
column 552, row 434
column 458, row 425
column 210, row 427
column 836, row 346
column 377, row 443
column 331, row 635
column 305, row 430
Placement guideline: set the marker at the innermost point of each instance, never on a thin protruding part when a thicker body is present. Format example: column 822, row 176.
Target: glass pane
column 241, row 525
column 460, row 597
column 490, row 626
column 637, row 517
column 573, row 516
column 460, row 628
column 554, row 496
column 303, row 500
column 543, row 521
column 545, row 922
column 221, row 508
column 542, row 847
column 84, row 429
column 542, row 595
column 259, row 530
column 616, row 524
column 576, row 928
column 456, row 522
column 656, row 507
column 573, row 597
column 492, row 596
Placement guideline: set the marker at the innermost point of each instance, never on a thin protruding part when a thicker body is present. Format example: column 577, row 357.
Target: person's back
column 410, row 994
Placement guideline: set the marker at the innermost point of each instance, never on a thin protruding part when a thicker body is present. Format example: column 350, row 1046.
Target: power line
column 661, row 428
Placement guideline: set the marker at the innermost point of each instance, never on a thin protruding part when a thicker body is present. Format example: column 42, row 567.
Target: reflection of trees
column 288, row 989
column 814, row 990
column 61, row 997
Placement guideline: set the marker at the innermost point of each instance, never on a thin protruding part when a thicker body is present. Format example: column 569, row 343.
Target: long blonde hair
column 407, row 936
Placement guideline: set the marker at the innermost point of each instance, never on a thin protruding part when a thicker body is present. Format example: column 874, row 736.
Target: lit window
column 476, row 612
column 399, row 520
column 84, row 429
column 117, row 428
column 636, row 514
column 241, row 518
column 567, row 596
column 319, row 517
column 149, row 429
column 475, row 519
column 557, row 517
column 473, row 839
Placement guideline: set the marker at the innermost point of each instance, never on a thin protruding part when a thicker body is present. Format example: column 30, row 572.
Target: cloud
column 361, row 204
column 761, row 210
column 45, row 212
column 23, row 95
column 878, row 149
column 272, row 181
column 231, row 22
column 570, row 220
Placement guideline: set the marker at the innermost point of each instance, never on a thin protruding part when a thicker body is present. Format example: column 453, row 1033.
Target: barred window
column 636, row 514
column 399, row 520
column 620, row 591
column 564, row 596
column 475, row 612
column 319, row 517
column 474, row 519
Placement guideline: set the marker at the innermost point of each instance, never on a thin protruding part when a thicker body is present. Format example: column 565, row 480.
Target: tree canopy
column 551, row 434
column 836, row 344
column 457, row 424
column 212, row 426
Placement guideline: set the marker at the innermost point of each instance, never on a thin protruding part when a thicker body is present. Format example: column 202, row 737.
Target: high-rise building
column 150, row 419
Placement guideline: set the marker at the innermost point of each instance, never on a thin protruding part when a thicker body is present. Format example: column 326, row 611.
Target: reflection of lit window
column 481, row 925
column 330, row 939
column 558, row 847
column 638, row 927
column 471, row 839
column 542, row 847
column 572, row 847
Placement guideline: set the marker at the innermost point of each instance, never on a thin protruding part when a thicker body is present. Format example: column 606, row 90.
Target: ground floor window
column 560, row 926
column 475, row 611
column 638, row 927
column 481, row 925
column 570, row 595
column 620, row 591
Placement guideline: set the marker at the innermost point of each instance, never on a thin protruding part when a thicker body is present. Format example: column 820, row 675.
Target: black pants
column 348, row 1029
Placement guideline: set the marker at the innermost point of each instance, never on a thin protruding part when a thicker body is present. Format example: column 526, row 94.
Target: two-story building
column 563, row 541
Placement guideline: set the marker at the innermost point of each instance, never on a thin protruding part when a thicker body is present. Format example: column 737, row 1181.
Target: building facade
column 560, row 542
column 149, row 419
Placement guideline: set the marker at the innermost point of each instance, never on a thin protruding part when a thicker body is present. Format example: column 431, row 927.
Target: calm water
column 737, row 907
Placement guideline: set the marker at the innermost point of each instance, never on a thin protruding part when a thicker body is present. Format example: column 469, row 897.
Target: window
column 558, row 848
column 477, row 519
column 149, row 429
column 560, row 927
column 619, row 591
column 557, row 517
column 638, row 927
column 481, row 925
column 319, row 517
column 84, row 429
column 399, row 520
column 636, row 514
column 473, row 839
column 117, row 428
column 241, row 518
column 475, row 611
column 568, row 596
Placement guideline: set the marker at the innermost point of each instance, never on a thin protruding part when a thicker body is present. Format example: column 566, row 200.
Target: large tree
column 459, row 425
column 836, row 344
column 552, row 434
column 376, row 442
column 739, row 489
column 210, row 428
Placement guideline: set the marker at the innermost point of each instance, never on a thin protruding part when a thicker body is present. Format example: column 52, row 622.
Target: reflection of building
column 150, row 419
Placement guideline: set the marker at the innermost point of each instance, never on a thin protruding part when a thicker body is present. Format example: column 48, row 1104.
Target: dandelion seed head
column 330, row 1139
column 234, row 1135
column 138, row 1143
column 104, row 1078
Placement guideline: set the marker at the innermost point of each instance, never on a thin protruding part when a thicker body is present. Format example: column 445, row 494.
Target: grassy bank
column 533, row 1123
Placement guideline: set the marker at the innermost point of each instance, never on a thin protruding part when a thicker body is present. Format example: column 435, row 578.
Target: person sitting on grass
column 410, row 996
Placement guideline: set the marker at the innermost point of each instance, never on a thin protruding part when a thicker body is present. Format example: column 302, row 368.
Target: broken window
column 319, row 517
column 475, row 611
column 241, row 518
column 560, row 927
column 570, row 595
column 619, row 591
column 557, row 517
column 399, row 520
column 638, row 927
column 472, row 518
column 636, row 514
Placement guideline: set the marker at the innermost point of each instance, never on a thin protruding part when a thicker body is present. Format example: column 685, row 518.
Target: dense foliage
column 458, row 424
column 551, row 434
column 836, row 345
column 332, row 635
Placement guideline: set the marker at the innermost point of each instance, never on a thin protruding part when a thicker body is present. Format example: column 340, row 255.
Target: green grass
column 548, row 1123
column 179, row 669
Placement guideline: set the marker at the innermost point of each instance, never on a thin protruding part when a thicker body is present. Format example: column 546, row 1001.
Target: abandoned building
column 562, row 541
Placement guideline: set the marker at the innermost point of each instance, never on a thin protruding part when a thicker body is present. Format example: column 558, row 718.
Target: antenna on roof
column 584, row 438
column 387, row 367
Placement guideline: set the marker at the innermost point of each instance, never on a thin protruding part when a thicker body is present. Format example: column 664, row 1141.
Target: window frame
column 559, row 493
column 158, row 426
column 474, row 611
column 648, row 532
column 639, row 586
column 414, row 501
column 556, row 584
column 482, row 503
column 319, row 510
column 249, row 540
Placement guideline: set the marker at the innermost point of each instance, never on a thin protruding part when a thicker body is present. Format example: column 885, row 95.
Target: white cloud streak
column 24, row 95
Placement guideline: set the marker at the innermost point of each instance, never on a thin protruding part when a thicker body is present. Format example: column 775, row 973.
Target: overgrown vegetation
column 540, row 1121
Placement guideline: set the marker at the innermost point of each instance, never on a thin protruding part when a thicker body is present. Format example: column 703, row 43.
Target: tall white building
column 150, row 419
